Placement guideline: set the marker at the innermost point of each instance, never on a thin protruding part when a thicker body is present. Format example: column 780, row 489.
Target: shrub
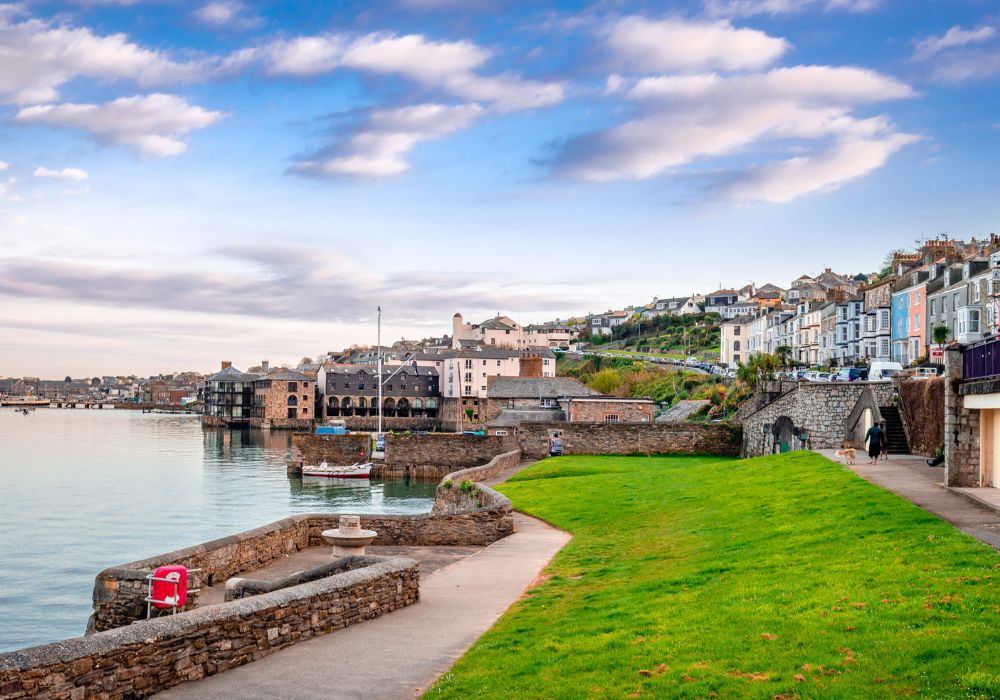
column 468, row 486
column 447, row 483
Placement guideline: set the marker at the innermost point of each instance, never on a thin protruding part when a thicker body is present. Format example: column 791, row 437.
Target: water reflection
column 85, row 490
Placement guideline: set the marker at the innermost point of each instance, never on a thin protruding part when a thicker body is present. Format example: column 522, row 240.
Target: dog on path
column 849, row 455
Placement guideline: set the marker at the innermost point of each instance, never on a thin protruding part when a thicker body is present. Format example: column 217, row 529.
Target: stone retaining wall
column 437, row 454
column 819, row 408
column 150, row 656
column 308, row 448
column 631, row 438
column 451, row 497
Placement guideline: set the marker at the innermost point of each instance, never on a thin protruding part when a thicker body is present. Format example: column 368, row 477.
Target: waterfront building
column 229, row 397
column 283, row 399
column 351, row 391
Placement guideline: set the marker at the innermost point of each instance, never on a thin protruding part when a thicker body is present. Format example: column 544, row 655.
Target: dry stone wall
column 631, row 438
column 961, row 424
column 463, row 491
column 151, row 656
column 819, row 408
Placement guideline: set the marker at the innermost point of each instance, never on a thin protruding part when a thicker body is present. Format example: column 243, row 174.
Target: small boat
column 360, row 470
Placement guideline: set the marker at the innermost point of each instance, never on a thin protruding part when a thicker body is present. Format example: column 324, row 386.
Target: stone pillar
column 961, row 426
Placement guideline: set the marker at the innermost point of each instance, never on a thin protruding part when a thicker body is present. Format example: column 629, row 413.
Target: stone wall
column 452, row 497
column 821, row 409
column 922, row 403
column 370, row 424
column 437, row 454
column 630, row 438
column 961, row 426
column 597, row 411
column 119, row 591
column 151, row 656
column 308, row 448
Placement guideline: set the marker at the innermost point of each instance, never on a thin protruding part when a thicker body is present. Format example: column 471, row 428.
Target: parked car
column 883, row 371
column 851, row 374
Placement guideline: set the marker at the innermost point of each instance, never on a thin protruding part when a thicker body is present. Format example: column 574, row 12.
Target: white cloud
column 643, row 44
column 749, row 8
column 960, row 55
column 5, row 185
column 3, row 166
column 848, row 159
column 38, row 57
column 954, row 37
column 687, row 119
column 449, row 66
column 378, row 148
column 226, row 14
column 63, row 174
column 153, row 124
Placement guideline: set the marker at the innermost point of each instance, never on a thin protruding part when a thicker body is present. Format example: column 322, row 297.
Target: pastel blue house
column 900, row 325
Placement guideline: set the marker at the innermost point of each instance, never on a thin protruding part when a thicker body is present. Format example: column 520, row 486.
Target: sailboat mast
column 379, row 362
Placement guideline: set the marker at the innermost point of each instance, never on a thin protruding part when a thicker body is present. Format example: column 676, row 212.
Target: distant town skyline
column 187, row 182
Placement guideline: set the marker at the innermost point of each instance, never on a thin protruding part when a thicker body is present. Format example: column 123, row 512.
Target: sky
column 188, row 182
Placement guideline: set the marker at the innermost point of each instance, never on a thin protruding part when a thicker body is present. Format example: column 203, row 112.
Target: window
column 293, row 401
column 468, row 391
column 500, row 433
column 292, row 387
column 493, row 341
column 933, row 307
column 973, row 320
column 361, row 387
column 292, row 413
column 545, row 403
column 468, row 376
column 736, row 330
column 468, row 364
column 736, row 346
column 975, row 292
column 498, row 363
column 612, row 418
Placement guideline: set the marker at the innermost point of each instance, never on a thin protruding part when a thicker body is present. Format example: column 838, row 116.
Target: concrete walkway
column 401, row 654
column 910, row 477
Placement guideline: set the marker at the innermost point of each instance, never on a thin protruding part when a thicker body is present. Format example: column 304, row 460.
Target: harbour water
column 82, row 490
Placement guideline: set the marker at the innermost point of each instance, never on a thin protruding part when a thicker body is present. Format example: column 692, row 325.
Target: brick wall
column 308, row 448
column 819, row 408
column 151, row 656
column 631, row 438
column 435, row 455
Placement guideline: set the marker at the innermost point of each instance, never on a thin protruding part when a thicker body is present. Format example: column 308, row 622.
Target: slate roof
column 286, row 375
column 536, row 388
column 386, row 370
column 231, row 374
column 681, row 410
column 511, row 417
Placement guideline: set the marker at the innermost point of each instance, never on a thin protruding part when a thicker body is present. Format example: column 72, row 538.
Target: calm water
column 82, row 490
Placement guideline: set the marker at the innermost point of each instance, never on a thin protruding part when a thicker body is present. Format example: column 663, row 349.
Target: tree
column 941, row 334
column 68, row 379
column 784, row 353
column 305, row 361
column 758, row 367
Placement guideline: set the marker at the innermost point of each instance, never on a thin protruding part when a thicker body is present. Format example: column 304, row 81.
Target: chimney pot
column 226, row 364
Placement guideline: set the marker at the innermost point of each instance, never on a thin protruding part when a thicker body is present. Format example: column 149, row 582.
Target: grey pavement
column 910, row 477
column 400, row 654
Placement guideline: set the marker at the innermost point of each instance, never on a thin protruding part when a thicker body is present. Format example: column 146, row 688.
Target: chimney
column 226, row 364
column 264, row 366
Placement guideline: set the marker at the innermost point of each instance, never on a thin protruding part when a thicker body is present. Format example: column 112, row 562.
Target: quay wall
column 153, row 655
column 308, row 448
column 436, row 454
column 631, row 438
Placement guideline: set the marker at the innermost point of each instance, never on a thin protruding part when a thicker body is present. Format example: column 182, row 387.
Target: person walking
column 875, row 437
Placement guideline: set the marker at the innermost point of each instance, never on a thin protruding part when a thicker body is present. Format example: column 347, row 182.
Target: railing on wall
column 982, row 360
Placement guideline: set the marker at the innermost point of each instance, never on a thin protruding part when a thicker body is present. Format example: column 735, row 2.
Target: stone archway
column 333, row 407
column 346, row 406
column 418, row 408
column 783, row 432
column 362, row 407
column 389, row 408
column 431, row 408
column 403, row 408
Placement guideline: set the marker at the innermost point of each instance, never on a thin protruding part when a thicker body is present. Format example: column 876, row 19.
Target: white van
column 883, row 371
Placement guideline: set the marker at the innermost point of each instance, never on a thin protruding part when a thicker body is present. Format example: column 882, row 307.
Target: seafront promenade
column 458, row 603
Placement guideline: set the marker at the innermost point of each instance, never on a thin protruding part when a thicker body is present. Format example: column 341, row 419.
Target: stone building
column 283, row 400
column 512, row 401
column 352, row 391
column 972, row 415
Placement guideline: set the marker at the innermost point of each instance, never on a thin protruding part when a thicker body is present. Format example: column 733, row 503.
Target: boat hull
column 352, row 472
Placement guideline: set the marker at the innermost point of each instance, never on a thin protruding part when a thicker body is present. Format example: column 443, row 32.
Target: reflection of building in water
column 227, row 442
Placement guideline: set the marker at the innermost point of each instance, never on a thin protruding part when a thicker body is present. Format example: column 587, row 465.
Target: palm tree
column 759, row 367
column 784, row 354
column 941, row 334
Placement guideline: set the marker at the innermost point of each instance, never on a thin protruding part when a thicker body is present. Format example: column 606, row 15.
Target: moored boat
column 360, row 470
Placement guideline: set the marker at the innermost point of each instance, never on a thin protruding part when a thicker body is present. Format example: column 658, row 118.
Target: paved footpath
column 910, row 477
column 402, row 653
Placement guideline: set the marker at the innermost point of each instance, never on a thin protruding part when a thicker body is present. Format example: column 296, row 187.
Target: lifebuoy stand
column 168, row 588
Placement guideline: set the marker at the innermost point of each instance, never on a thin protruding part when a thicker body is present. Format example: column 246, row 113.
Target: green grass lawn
column 782, row 576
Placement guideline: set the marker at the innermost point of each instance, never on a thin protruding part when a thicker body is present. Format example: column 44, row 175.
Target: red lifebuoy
column 171, row 593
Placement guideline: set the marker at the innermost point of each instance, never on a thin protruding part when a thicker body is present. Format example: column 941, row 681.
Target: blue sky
column 184, row 182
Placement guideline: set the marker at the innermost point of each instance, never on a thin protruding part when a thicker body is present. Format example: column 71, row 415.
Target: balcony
column 982, row 360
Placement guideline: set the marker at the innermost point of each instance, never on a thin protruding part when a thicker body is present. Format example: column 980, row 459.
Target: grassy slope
column 691, row 577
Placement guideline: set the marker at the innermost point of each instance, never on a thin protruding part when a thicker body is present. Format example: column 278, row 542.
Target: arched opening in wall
column 418, row 408
column 362, row 407
column 389, row 408
column 431, row 408
column 293, row 400
column 783, row 431
column 346, row 406
column 333, row 407
column 403, row 408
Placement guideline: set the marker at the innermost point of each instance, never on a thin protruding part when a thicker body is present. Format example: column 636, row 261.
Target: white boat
column 361, row 470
